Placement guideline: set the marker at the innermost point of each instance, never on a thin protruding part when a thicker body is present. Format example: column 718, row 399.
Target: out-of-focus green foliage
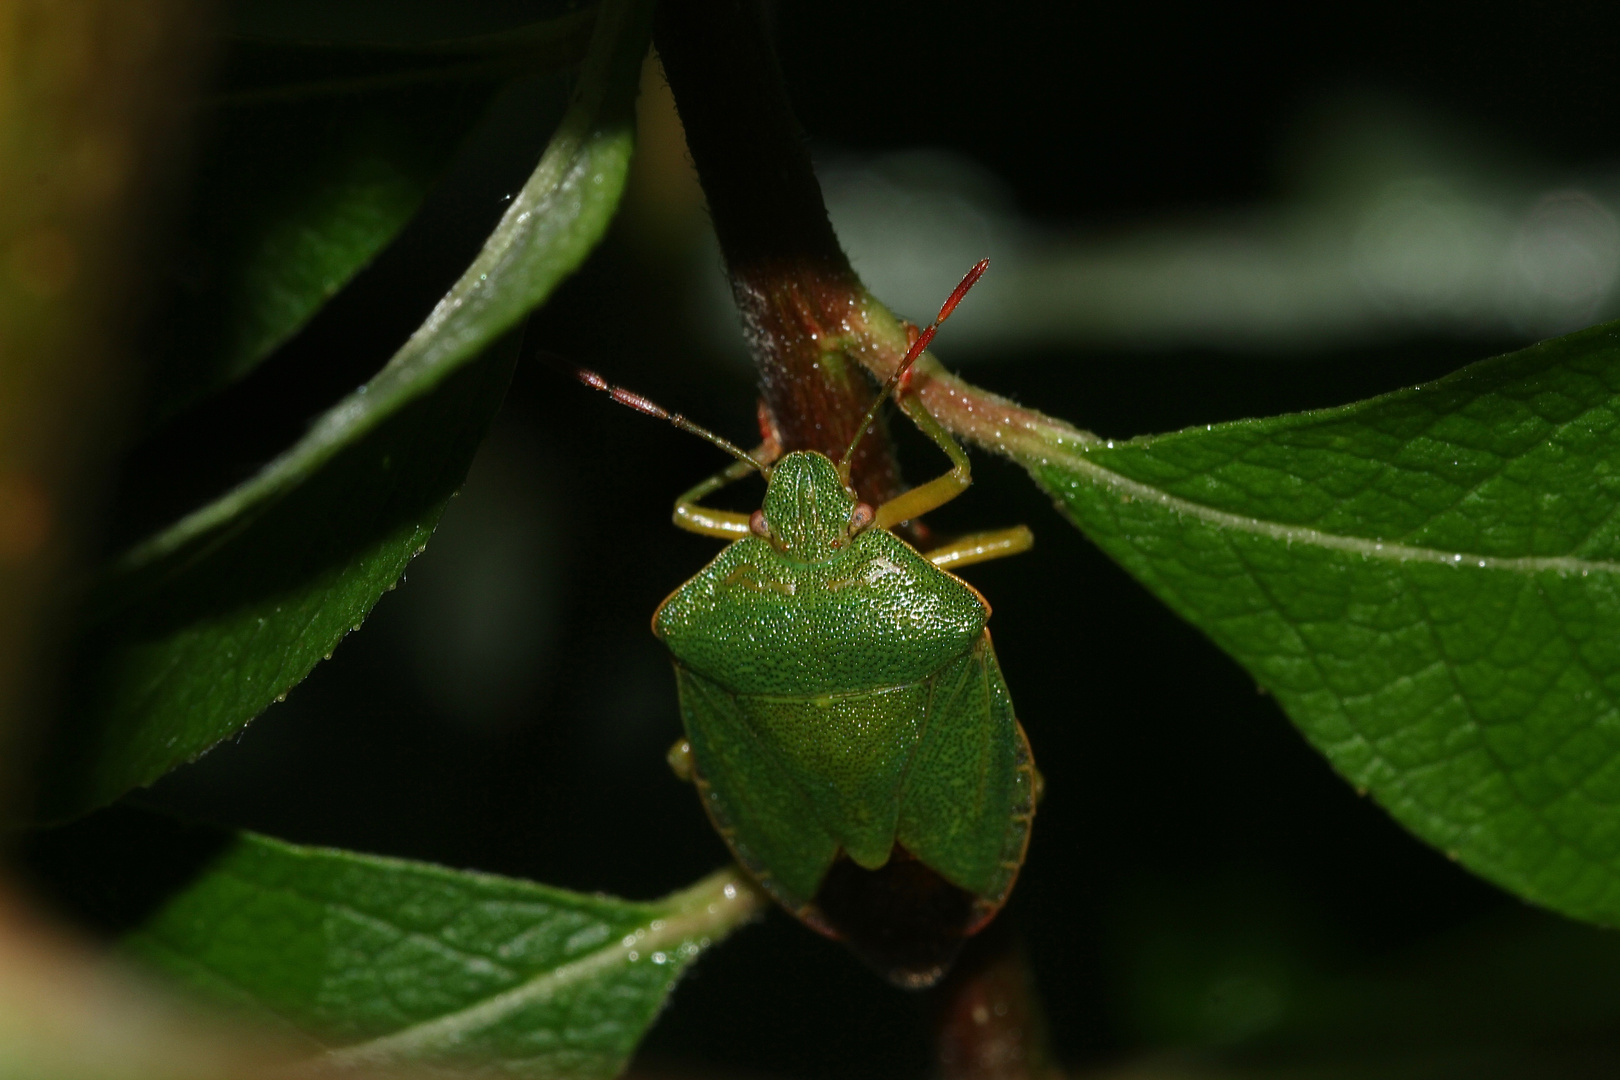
column 202, row 626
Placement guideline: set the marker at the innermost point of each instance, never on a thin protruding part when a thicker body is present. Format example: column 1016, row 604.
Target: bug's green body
column 846, row 721
column 841, row 695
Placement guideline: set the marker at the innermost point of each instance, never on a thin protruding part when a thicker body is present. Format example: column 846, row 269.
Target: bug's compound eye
column 757, row 525
column 860, row 517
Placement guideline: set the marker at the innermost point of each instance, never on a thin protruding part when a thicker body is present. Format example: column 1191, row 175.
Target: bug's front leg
column 938, row 491
column 725, row 524
column 974, row 548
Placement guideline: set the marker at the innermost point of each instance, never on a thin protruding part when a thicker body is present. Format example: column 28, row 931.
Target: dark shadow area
column 905, row 921
column 113, row 870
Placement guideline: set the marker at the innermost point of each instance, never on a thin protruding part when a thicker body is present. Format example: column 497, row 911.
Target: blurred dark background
column 1198, row 878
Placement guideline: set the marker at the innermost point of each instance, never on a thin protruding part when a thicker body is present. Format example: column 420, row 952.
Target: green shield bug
column 847, row 725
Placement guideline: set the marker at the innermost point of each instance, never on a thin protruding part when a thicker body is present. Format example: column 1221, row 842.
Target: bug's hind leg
column 981, row 547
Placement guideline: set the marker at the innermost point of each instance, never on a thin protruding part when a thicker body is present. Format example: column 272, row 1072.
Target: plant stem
column 799, row 299
column 812, row 327
column 988, row 1019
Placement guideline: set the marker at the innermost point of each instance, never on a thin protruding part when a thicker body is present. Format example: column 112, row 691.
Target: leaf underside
column 204, row 625
column 292, row 198
column 315, row 149
column 378, row 962
column 214, row 635
column 1427, row 583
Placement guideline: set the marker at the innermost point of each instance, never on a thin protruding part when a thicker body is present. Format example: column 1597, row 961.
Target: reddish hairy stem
column 798, row 297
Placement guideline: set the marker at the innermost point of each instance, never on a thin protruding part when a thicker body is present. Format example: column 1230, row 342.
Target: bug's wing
column 763, row 816
column 847, row 754
column 968, row 800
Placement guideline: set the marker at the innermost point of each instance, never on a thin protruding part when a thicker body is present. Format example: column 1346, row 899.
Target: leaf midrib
column 1301, row 534
column 421, row 1040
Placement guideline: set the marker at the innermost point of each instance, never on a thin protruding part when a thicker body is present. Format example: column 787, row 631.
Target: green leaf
column 389, row 962
column 1426, row 581
column 313, row 158
column 202, row 626
column 291, row 200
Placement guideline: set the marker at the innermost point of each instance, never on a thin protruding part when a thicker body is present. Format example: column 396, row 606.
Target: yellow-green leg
column 938, row 491
column 977, row 547
column 725, row 524
column 981, row 547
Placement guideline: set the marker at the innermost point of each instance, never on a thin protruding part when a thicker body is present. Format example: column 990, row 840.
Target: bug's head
column 808, row 513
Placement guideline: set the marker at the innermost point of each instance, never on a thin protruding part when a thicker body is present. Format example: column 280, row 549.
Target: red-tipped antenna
column 969, row 279
column 652, row 408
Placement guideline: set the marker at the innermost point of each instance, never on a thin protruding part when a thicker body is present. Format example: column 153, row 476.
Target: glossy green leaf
column 311, row 159
column 201, row 627
column 1428, row 582
column 291, row 200
column 387, row 962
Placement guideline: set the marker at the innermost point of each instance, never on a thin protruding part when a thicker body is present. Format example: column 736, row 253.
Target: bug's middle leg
column 981, row 547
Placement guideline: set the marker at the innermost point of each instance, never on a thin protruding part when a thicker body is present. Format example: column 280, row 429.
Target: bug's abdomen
column 848, row 753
